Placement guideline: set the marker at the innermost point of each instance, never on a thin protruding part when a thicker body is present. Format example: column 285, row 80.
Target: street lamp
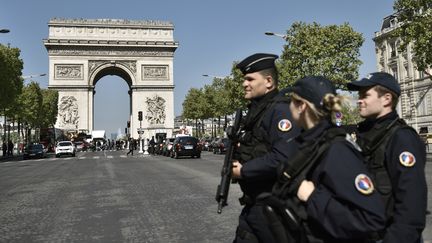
column 33, row 76
column 276, row 34
column 4, row 31
column 212, row 76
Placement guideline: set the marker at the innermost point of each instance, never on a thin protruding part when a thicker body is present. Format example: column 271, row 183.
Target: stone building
column 415, row 104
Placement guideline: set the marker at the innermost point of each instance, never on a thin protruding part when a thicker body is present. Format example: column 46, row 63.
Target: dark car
column 186, row 146
column 34, row 151
column 220, row 146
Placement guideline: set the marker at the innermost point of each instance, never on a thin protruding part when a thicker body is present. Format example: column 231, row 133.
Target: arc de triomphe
column 82, row 51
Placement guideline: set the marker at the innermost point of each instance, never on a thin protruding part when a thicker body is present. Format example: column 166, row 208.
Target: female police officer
column 337, row 193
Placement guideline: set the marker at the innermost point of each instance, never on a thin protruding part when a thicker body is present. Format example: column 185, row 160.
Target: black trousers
column 253, row 226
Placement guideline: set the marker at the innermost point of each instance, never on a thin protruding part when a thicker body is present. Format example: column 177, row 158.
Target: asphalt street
column 109, row 197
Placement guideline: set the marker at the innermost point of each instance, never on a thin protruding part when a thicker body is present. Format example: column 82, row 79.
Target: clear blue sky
column 211, row 35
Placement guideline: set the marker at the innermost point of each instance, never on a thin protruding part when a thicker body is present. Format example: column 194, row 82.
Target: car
column 80, row 146
column 186, row 146
column 34, row 151
column 220, row 146
column 65, row 148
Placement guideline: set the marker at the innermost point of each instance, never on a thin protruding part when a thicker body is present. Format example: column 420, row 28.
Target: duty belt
column 246, row 200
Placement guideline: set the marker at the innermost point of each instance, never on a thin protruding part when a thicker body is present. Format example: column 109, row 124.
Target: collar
column 264, row 98
column 313, row 133
column 367, row 124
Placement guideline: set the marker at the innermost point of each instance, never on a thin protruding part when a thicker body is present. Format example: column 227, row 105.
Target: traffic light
column 126, row 130
column 139, row 115
column 128, row 124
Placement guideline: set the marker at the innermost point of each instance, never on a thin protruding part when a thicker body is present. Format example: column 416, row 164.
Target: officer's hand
column 236, row 169
column 305, row 190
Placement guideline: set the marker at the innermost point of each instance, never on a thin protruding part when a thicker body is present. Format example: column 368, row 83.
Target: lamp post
column 213, row 76
column 276, row 34
column 33, row 76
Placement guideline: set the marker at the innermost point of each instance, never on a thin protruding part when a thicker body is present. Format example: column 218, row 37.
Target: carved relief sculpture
column 68, row 71
column 151, row 72
column 155, row 110
column 68, row 112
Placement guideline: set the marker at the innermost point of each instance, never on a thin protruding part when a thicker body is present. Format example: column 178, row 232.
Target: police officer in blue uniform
column 268, row 121
column 396, row 158
column 338, row 202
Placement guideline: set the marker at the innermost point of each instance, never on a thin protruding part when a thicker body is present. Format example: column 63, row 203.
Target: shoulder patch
column 407, row 159
column 284, row 125
column 364, row 184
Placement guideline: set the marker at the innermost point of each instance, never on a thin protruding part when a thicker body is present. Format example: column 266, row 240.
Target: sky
column 211, row 35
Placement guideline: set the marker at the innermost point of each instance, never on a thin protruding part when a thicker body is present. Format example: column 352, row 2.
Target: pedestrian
column 131, row 146
column 396, row 158
column 10, row 148
column 152, row 144
column 268, row 121
column 4, row 148
column 337, row 198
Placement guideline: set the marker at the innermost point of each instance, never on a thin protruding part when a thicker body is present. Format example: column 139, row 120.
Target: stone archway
column 82, row 51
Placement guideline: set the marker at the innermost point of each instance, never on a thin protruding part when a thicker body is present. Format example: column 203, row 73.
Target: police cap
column 257, row 62
column 379, row 78
column 313, row 89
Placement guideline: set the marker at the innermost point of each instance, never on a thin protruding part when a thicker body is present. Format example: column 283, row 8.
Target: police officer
column 396, row 157
column 268, row 120
column 337, row 193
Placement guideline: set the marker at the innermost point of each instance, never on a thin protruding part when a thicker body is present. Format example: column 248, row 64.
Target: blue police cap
column 379, row 78
column 313, row 89
column 257, row 62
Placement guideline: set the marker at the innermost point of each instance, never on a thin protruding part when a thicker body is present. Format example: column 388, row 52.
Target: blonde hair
column 331, row 104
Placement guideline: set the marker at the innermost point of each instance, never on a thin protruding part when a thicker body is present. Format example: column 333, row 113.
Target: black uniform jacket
column 341, row 207
column 260, row 173
column 408, row 182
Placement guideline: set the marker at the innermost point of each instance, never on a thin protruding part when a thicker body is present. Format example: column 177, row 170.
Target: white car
column 65, row 147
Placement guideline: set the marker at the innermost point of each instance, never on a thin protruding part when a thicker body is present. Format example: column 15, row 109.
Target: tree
column 234, row 88
column 194, row 104
column 11, row 82
column 49, row 106
column 311, row 49
column 31, row 105
column 415, row 17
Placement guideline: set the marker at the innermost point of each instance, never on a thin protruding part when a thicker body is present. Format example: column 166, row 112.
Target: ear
column 269, row 82
column 387, row 99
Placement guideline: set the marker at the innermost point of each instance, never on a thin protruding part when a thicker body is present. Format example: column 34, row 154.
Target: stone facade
column 82, row 51
column 415, row 104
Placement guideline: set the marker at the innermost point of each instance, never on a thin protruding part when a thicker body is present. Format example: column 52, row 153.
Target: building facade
column 415, row 104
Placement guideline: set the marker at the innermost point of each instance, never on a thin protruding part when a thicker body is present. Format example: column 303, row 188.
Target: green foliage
column 50, row 108
column 234, row 87
column 311, row 49
column 11, row 82
column 194, row 105
column 31, row 104
column 416, row 19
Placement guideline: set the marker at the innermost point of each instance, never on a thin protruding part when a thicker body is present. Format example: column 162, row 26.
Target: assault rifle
column 226, row 173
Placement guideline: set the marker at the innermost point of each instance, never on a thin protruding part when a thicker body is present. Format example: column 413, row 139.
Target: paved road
column 108, row 197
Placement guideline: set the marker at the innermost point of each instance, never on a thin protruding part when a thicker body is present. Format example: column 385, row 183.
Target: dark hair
column 381, row 90
column 271, row 72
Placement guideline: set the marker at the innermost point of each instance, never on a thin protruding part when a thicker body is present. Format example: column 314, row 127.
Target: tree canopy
column 311, row 49
column 416, row 19
column 11, row 82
